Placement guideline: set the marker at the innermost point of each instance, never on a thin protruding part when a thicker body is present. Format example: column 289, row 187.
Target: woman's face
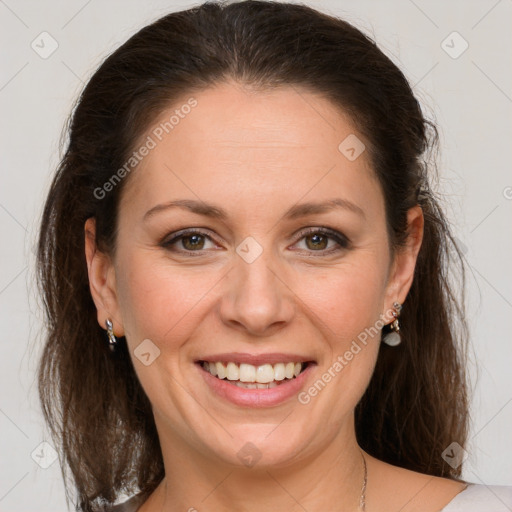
column 260, row 278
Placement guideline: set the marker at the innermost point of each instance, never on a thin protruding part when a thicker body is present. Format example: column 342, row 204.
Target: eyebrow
column 296, row 211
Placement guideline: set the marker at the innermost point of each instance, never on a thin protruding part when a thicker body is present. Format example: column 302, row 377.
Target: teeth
column 279, row 371
column 251, row 385
column 221, row 370
column 232, row 371
column 289, row 369
column 265, row 373
column 247, row 373
column 254, row 377
column 212, row 367
column 246, row 385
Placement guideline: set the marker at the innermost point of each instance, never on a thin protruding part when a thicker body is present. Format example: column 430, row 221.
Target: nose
column 258, row 299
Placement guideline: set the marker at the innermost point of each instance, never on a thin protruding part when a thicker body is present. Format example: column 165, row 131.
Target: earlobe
column 101, row 280
column 405, row 259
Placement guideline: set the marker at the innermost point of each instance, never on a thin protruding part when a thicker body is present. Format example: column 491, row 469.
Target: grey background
column 470, row 96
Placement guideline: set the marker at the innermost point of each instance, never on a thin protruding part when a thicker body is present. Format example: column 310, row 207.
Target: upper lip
column 256, row 359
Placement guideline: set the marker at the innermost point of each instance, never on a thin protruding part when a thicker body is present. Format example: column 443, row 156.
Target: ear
column 402, row 270
column 102, row 281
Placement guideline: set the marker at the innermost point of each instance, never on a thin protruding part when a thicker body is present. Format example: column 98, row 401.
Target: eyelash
column 342, row 241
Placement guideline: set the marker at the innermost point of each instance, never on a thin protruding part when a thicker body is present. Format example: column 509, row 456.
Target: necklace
column 362, row 498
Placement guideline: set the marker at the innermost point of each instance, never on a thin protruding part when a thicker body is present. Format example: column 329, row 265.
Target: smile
column 248, row 376
column 273, row 379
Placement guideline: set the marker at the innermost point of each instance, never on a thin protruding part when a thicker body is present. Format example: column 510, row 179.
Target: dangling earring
column 111, row 338
column 393, row 338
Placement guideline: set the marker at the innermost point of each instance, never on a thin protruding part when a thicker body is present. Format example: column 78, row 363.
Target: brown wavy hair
column 99, row 416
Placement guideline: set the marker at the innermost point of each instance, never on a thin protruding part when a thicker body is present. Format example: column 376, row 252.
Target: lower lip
column 256, row 397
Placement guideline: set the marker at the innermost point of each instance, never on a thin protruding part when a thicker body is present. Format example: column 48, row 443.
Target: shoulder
column 413, row 491
column 482, row 498
column 131, row 505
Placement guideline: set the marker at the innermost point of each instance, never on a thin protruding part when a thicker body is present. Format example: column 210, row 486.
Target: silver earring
column 111, row 338
column 393, row 338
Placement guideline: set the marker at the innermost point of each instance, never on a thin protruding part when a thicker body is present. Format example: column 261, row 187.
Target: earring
column 393, row 338
column 111, row 338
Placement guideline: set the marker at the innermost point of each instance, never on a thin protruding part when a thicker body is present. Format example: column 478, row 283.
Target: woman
column 243, row 216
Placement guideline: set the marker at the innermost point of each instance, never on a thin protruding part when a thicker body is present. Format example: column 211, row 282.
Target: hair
column 99, row 416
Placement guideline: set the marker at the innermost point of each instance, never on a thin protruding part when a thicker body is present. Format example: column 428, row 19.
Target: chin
column 262, row 445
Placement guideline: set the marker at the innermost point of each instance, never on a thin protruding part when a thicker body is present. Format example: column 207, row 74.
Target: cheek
column 345, row 300
column 161, row 302
column 346, row 304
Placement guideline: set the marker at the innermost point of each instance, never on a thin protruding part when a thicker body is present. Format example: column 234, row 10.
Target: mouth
column 248, row 376
column 255, row 381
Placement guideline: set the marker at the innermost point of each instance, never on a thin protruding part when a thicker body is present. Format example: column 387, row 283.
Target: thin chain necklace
column 362, row 498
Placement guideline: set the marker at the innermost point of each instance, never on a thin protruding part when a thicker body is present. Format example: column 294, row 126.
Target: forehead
column 243, row 146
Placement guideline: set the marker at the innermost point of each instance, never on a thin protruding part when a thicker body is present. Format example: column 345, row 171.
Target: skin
column 256, row 154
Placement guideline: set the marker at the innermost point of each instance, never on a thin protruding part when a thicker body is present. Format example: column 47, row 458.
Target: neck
column 330, row 474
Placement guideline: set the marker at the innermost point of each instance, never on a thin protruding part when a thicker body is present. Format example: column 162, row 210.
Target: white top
column 475, row 498
column 482, row 498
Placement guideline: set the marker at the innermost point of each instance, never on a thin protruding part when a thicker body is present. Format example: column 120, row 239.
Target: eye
column 191, row 241
column 317, row 240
